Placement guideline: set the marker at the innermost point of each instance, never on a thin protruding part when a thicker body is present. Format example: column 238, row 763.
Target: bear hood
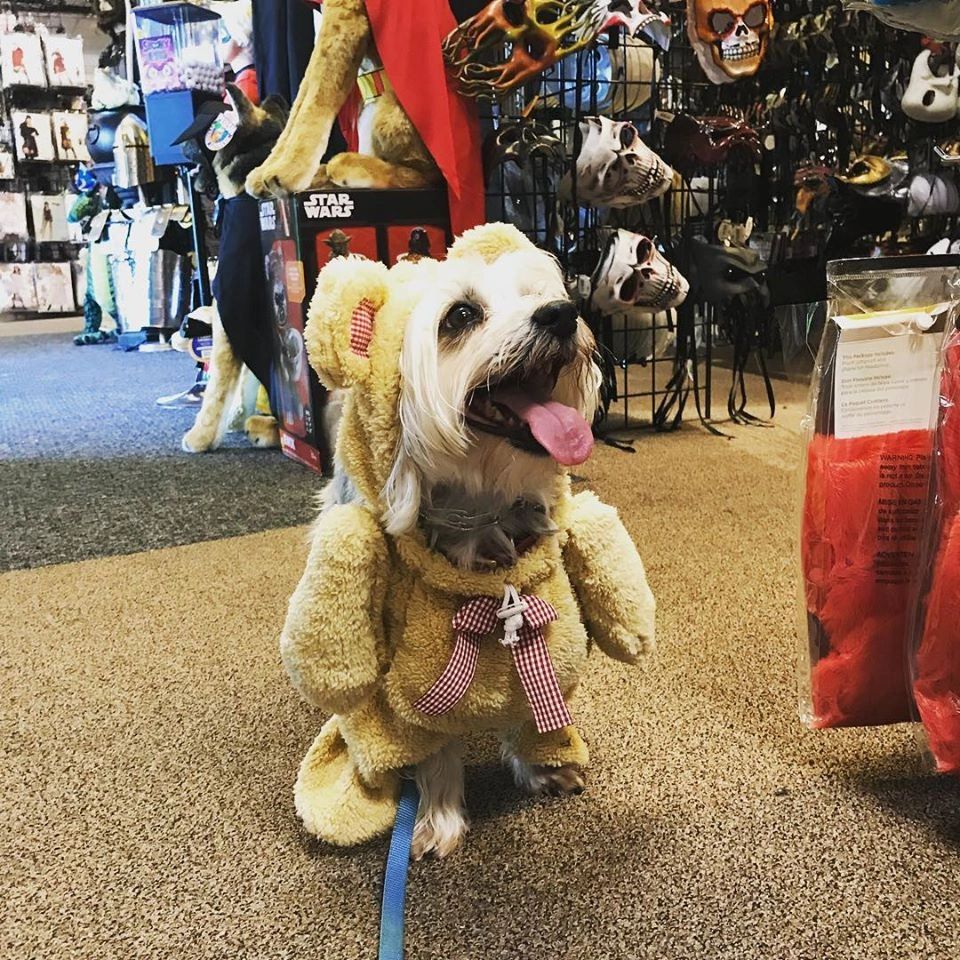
column 354, row 339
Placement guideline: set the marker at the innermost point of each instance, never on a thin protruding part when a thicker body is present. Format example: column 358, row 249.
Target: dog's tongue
column 560, row 429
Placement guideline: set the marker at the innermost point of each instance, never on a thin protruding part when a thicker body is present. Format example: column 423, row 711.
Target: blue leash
column 395, row 878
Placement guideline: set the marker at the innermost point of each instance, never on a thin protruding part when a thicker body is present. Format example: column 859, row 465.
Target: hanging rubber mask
column 615, row 168
column 537, row 33
column 638, row 18
column 867, row 171
column 721, row 273
column 517, row 140
column 729, row 37
column 811, row 183
column 633, row 273
column 931, row 94
column 705, row 143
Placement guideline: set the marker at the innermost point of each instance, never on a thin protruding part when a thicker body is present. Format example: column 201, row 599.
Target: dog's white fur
column 437, row 446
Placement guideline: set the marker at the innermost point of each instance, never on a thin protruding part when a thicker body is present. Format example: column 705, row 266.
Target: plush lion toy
column 454, row 582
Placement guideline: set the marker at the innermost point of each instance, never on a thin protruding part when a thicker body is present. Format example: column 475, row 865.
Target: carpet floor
column 90, row 465
column 150, row 742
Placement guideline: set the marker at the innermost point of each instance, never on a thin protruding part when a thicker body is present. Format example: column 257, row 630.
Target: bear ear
column 490, row 241
column 342, row 322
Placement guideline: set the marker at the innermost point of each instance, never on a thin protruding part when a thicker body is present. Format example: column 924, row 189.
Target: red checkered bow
column 524, row 619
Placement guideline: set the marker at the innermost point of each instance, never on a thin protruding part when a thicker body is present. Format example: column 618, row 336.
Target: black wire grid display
column 653, row 363
column 827, row 91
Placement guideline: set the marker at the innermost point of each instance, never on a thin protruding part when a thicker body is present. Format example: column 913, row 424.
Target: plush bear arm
column 608, row 576
column 329, row 640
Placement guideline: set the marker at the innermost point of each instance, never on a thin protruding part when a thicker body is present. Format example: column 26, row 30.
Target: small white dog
column 470, row 387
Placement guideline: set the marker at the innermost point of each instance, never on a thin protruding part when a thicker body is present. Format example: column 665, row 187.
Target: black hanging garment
column 240, row 286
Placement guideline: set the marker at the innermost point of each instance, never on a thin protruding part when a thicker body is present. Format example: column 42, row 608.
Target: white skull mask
column 633, row 273
column 729, row 37
column 931, row 94
column 638, row 18
column 615, row 168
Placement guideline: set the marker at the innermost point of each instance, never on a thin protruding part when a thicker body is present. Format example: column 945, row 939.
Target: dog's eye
column 460, row 316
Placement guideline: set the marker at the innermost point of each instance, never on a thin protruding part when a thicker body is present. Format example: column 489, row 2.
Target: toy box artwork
column 300, row 235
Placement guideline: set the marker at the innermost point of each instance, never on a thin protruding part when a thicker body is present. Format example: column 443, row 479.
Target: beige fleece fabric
column 151, row 740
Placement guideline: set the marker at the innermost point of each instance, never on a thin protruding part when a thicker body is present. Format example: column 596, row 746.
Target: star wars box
column 302, row 233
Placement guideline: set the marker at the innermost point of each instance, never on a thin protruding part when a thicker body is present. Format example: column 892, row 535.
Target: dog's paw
column 262, row 431
column 439, row 833
column 538, row 780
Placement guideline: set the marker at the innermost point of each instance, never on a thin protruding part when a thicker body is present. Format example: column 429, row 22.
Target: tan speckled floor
column 150, row 742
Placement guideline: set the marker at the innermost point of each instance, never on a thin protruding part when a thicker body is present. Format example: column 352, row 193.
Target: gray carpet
column 91, row 466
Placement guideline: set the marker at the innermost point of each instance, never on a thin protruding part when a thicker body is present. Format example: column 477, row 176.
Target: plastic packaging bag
column 936, row 657
column 868, row 439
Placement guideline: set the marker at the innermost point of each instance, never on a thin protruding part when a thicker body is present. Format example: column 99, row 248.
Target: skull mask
column 931, row 94
column 614, row 166
column 729, row 37
column 722, row 273
column 537, row 32
column 518, row 140
column 633, row 273
column 638, row 18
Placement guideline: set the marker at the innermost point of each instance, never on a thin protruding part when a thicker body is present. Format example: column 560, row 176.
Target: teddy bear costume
column 404, row 648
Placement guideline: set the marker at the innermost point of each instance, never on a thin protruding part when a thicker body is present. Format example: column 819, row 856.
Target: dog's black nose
column 557, row 316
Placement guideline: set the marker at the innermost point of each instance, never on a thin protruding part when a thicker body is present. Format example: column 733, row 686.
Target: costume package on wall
column 13, row 215
column 936, row 655
column 49, row 214
column 17, row 290
column 8, row 170
column 868, row 436
column 54, row 286
column 33, row 136
column 70, row 135
column 64, row 56
column 21, row 60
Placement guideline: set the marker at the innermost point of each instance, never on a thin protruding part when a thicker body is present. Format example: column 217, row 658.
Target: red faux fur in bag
column 859, row 556
column 937, row 666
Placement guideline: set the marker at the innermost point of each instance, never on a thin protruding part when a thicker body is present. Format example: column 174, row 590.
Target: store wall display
column 64, row 59
column 13, row 215
column 21, row 60
column 49, row 215
column 17, row 288
column 70, row 129
column 33, row 135
column 54, row 288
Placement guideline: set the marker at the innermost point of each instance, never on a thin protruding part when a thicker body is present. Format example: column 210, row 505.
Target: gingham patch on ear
column 361, row 328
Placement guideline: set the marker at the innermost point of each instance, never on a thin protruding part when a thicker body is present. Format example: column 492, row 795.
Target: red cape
column 409, row 38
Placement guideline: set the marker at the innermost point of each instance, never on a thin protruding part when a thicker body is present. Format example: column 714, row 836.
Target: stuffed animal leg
column 328, row 645
column 609, row 580
column 341, row 45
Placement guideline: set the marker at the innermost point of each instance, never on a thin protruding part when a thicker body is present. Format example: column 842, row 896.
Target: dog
column 229, row 399
column 469, row 387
